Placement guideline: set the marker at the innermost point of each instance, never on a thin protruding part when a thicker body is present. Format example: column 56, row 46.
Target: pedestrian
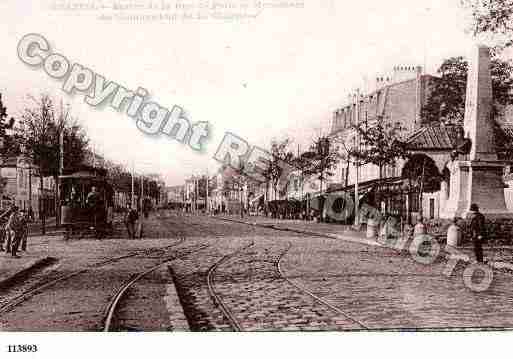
column 146, row 205
column 131, row 217
column 8, row 232
column 24, row 230
column 3, row 221
column 30, row 214
column 2, row 237
column 92, row 201
column 477, row 230
column 15, row 226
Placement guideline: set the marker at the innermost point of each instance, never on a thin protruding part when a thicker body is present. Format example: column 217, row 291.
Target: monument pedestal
column 477, row 182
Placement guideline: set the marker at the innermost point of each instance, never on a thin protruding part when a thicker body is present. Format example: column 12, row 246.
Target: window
column 414, row 202
column 20, row 178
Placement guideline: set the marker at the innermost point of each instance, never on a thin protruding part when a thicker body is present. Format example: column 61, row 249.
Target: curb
column 178, row 318
column 30, row 267
column 311, row 233
column 185, row 315
column 446, row 254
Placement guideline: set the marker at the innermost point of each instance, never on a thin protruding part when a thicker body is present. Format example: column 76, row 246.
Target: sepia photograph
column 323, row 174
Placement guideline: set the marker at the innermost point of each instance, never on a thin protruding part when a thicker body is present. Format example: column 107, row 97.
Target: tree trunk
column 380, row 187
column 42, row 213
column 321, row 199
column 408, row 207
column 57, row 201
column 421, row 207
column 302, row 196
column 241, row 203
column 347, row 174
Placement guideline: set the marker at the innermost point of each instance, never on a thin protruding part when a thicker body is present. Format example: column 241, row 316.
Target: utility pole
column 141, row 211
column 61, row 167
column 142, row 191
column 63, row 119
column 30, row 185
column 207, row 209
column 357, row 167
column 193, row 197
column 196, row 194
column 133, row 195
column 94, row 158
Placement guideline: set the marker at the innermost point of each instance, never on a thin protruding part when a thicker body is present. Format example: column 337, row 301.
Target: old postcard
column 341, row 168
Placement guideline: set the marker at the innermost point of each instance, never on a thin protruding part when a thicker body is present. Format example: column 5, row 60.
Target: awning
column 365, row 185
column 257, row 198
column 362, row 192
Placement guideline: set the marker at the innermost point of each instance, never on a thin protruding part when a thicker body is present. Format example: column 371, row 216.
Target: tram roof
column 83, row 174
column 87, row 172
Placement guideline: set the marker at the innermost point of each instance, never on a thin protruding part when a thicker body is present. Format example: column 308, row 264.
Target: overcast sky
column 278, row 74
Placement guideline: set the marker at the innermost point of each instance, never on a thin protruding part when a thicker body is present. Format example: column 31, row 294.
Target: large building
column 397, row 99
column 175, row 196
column 423, row 183
column 22, row 186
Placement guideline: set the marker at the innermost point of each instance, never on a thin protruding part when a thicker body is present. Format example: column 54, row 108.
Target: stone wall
column 498, row 231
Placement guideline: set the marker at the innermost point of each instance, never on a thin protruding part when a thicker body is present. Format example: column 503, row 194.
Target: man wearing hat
column 477, row 230
column 15, row 228
column 8, row 233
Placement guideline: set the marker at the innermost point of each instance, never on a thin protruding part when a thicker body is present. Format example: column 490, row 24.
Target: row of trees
column 121, row 179
column 318, row 162
column 382, row 144
column 36, row 136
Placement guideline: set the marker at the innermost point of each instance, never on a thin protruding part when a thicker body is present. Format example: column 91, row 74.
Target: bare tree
column 38, row 134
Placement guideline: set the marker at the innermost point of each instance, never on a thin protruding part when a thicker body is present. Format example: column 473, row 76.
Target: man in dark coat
column 4, row 217
column 15, row 224
column 477, row 231
column 131, row 217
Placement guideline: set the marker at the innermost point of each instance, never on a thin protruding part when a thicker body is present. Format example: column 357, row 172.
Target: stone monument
column 478, row 179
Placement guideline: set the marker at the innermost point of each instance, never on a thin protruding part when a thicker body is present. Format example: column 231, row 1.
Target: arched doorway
column 420, row 175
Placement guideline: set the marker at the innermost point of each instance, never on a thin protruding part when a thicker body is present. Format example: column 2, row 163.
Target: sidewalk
column 42, row 251
column 35, row 227
column 335, row 231
column 14, row 269
column 498, row 257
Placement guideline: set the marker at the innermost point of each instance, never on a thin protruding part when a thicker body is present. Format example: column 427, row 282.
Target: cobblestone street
column 220, row 275
column 376, row 287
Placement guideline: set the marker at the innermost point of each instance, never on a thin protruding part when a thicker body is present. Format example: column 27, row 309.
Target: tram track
column 46, row 283
column 228, row 313
column 114, row 303
column 315, row 297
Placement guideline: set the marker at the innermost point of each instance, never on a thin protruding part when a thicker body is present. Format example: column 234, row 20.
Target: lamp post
column 357, row 145
column 241, row 202
column 132, row 204
column 207, row 207
column 141, row 201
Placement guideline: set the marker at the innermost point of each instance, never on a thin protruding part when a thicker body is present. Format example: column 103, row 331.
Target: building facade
column 397, row 100
column 22, row 187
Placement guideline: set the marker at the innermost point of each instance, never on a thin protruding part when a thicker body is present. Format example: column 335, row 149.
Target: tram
column 86, row 202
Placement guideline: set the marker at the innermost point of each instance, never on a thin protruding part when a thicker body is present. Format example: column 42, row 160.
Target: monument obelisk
column 478, row 179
